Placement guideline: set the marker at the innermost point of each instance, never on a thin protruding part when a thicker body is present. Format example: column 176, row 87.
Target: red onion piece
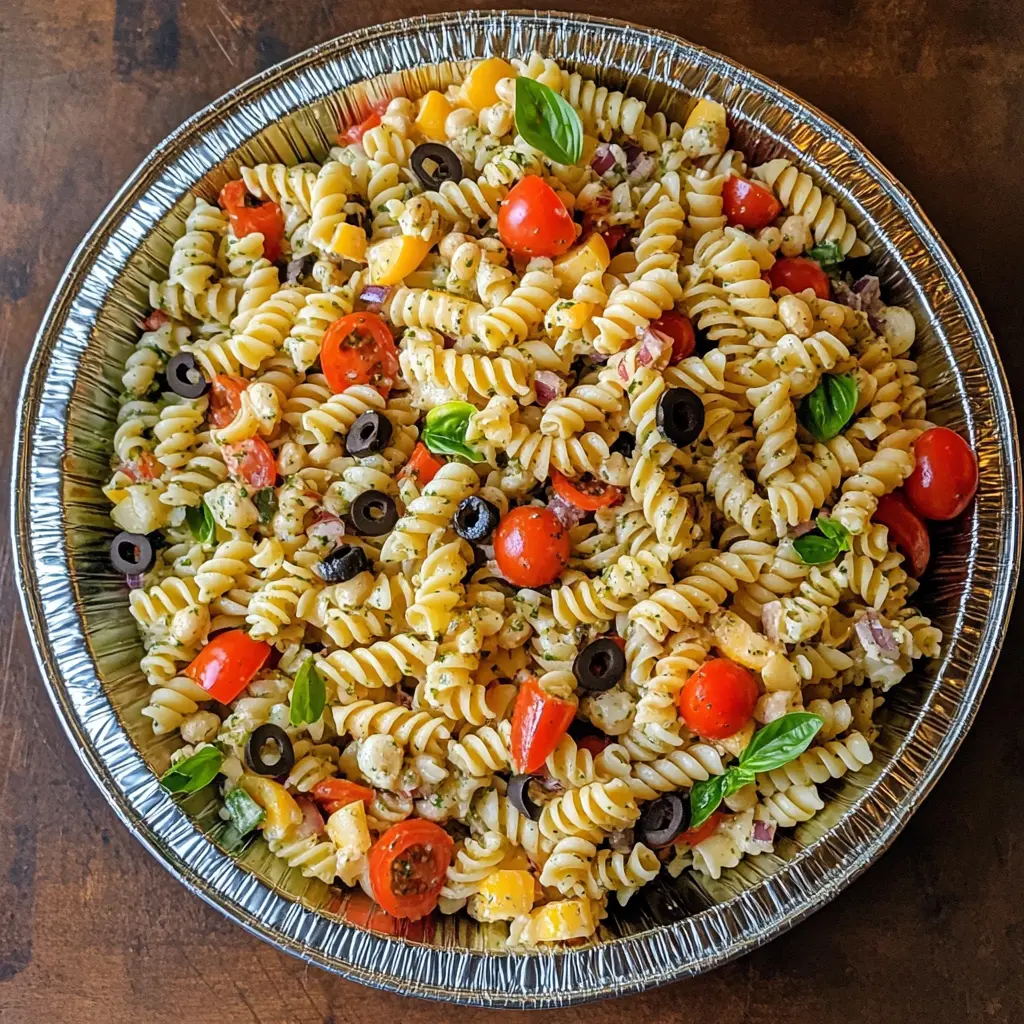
column 312, row 819
column 134, row 582
column 801, row 528
column 642, row 167
column 156, row 320
column 375, row 295
column 771, row 619
column 621, row 840
column 764, row 832
column 328, row 528
column 873, row 633
column 568, row 514
column 653, row 346
column 603, row 159
column 548, row 386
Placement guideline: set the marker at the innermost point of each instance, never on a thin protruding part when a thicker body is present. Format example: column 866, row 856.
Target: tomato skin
column 531, row 546
column 333, row 794
column 589, row 502
column 354, row 133
column 906, row 529
column 252, row 460
column 432, row 844
column 145, row 467
column 265, row 218
column 945, row 475
column 359, row 349
column 595, row 744
column 748, row 204
column 680, row 330
column 539, row 721
column 613, row 237
column 423, row 464
column 718, row 699
column 694, row 836
column 227, row 663
column 533, row 221
column 797, row 274
column 225, row 399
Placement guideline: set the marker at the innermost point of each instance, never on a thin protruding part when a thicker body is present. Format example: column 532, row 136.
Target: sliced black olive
column 373, row 513
column 278, row 759
column 703, row 342
column 299, row 268
column 185, row 376
column 663, row 819
column 445, row 164
column 600, row 665
column 680, row 416
column 132, row 553
column 518, row 793
column 342, row 564
column 370, row 433
column 475, row 518
column 623, row 445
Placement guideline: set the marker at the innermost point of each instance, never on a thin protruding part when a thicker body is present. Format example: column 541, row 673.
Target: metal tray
column 88, row 648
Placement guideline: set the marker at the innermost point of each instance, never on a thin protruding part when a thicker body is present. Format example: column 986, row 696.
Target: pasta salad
column 525, row 500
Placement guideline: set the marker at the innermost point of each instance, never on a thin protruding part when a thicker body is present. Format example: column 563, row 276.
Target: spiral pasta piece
column 384, row 663
column 416, row 731
column 169, row 705
column 281, row 184
column 793, row 805
column 514, row 318
column 621, row 874
column 481, row 752
column 440, row 311
column 803, row 615
column 337, row 414
column 469, row 867
column 589, row 811
column 676, row 770
column 883, row 473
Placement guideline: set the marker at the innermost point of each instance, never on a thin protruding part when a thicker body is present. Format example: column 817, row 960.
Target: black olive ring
column 370, row 434
column 600, row 665
column 259, row 738
column 342, row 564
column 680, row 416
column 185, row 376
column 373, row 513
column 132, row 553
column 447, row 163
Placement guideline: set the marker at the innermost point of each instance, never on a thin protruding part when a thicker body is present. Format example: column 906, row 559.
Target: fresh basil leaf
column 245, row 814
column 834, row 531
column 814, row 549
column 737, row 777
column 308, row 695
column 778, row 743
column 830, row 406
column 265, row 501
column 201, row 523
column 194, row 772
column 705, row 797
column 547, row 122
column 828, row 254
column 444, row 432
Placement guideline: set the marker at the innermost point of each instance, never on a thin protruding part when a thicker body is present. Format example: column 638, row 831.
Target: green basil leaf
column 201, row 523
column 829, row 407
column 834, row 531
column 814, row 549
column 244, row 813
column 738, row 777
column 828, row 254
column 705, row 797
column 444, row 432
column 194, row 772
column 265, row 501
column 547, row 122
column 308, row 695
column 778, row 743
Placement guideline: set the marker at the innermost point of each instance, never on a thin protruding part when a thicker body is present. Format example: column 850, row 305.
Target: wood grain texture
column 93, row 930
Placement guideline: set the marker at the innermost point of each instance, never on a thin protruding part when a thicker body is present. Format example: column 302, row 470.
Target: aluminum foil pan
column 87, row 644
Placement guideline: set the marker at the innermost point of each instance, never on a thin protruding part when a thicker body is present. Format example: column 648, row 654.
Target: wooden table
column 91, row 928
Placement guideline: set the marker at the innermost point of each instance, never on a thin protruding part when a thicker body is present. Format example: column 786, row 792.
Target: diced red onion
column 312, row 819
column 872, row 632
column 155, row 320
column 548, row 386
column 603, row 159
column 653, row 345
column 771, row 619
column 621, row 840
column 326, row 528
column 449, row 341
column 134, row 582
column 546, row 784
column 764, row 832
column 865, row 295
column 801, row 528
column 375, row 295
column 642, row 167
column 568, row 514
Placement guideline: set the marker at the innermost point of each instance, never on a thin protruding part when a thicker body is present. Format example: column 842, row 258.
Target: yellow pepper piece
column 503, row 895
column 705, row 112
column 566, row 919
column 433, row 111
column 516, row 860
column 394, row 258
column 349, row 242
column 591, row 254
column 479, row 89
column 283, row 812
column 705, row 131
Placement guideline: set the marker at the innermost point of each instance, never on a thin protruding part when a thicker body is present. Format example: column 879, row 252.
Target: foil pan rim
column 524, row 980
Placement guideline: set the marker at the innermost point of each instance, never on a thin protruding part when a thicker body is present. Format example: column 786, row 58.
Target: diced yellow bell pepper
column 705, row 112
column 516, row 860
column 394, row 258
column 434, row 109
column 566, row 919
column 591, row 254
column 567, row 313
column 349, row 242
column 283, row 812
column 479, row 89
column 503, row 895
column 705, row 131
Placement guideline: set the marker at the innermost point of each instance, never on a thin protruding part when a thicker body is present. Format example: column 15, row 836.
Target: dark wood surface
column 93, row 930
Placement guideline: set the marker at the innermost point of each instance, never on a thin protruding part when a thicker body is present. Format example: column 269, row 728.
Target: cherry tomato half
column 906, row 529
column 798, row 274
column 333, row 794
column 533, row 221
column 359, row 349
column 225, row 399
column 252, row 460
column 614, row 236
column 693, row 836
column 145, row 467
column 680, row 330
column 539, row 721
column 225, row 666
column 355, row 133
column 423, row 464
column 249, row 215
column 408, row 867
column 531, row 546
column 748, row 204
column 945, row 474
column 595, row 744
column 718, row 699
column 585, row 492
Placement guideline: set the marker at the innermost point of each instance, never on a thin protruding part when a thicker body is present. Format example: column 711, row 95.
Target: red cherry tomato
column 945, row 474
column 252, row 460
column 533, row 221
column 798, row 274
column 613, row 237
column 692, row 836
column 595, row 744
column 539, row 721
column 333, row 794
column 359, row 349
column 718, row 699
column 680, row 330
column 408, row 867
column 748, row 204
column 355, row 132
column 225, row 666
column 906, row 529
column 155, row 320
column 225, row 399
column 145, row 467
column 585, row 492
column 248, row 215
column 531, row 546
column 423, row 464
